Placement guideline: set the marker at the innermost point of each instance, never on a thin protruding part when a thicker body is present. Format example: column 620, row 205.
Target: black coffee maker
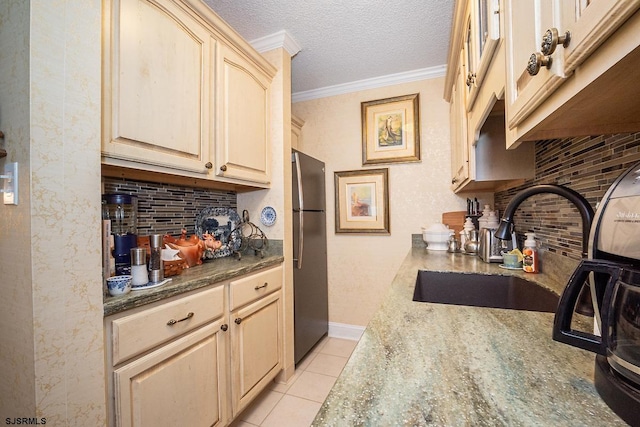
column 613, row 274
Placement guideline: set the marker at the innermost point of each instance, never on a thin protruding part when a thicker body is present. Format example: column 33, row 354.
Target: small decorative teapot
column 191, row 249
column 472, row 244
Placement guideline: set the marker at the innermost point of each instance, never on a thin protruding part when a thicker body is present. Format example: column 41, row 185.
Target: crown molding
column 277, row 40
column 373, row 83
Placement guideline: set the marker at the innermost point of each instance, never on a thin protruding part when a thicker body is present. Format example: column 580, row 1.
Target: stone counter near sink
column 425, row 364
column 212, row 271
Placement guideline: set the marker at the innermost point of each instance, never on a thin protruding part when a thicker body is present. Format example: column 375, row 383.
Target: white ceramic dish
column 268, row 216
column 509, row 268
column 150, row 285
column 436, row 236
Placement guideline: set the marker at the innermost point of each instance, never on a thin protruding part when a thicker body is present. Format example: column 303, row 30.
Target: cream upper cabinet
column 560, row 56
column 157, row 78
column 296, row 132
column 475, row 88
column 531, row 75
column 183, row 95
column 481, row 39
column 243, row 149
column 459, row 140
column 589, row 23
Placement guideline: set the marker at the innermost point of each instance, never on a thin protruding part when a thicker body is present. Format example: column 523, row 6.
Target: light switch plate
column 10, row 188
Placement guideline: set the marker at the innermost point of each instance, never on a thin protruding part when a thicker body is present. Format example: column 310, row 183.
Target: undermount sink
column 481, row 290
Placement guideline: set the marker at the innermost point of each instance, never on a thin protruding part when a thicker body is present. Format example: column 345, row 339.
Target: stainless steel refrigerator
column 311, row 311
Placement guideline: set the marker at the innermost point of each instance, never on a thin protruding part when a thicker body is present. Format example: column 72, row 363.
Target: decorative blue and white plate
column 221, row 223
column 268, row 216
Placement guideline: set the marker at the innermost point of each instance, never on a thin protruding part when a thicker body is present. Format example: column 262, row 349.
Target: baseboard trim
column 344, row 331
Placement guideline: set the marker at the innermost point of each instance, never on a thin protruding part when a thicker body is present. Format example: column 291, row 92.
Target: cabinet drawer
column 248, row 289
column 144, row 330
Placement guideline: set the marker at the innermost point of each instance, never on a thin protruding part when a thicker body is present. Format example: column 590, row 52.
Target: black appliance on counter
column 613, row 273
column 122, row 211
column 310, row 292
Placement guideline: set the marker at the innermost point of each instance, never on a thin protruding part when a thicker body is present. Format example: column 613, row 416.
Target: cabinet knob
column 471, row 79
column 208, row 165
column 224, row 327
column 552, row 38
column 537, row 61
column 223, row 168
column 238, row 320
column 454, row 180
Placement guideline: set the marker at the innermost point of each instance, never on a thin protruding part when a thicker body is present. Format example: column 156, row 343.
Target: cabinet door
column 589, row 23
column 157, row 85
column 179, row 384
column 242, row 151
column 256, row 348
column 482, row 36
column 458, row 122
column 525, row 24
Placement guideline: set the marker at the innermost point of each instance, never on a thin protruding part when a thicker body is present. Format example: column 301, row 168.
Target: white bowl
column 437, row 236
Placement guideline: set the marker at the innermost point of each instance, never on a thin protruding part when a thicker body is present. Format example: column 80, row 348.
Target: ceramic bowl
column 436, row 237
column 511, row 261
column 119, row 285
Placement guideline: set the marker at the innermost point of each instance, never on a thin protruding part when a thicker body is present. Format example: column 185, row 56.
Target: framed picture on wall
column 362, row 201
column 391, row 130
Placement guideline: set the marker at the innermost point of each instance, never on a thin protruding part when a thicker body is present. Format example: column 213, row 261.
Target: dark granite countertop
column 425, row 364
column 211, row 271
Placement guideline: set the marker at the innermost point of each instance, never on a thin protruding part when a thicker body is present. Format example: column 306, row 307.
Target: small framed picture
column 391, row 130
column 362, row 201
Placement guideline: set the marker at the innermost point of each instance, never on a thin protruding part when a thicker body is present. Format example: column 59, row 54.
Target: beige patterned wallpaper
column 51, row 357
column 361, row 267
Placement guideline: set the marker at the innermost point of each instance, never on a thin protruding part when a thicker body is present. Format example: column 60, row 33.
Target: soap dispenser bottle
column 530, row 263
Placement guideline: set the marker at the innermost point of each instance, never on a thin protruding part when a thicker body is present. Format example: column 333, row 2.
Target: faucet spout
column 586, row 211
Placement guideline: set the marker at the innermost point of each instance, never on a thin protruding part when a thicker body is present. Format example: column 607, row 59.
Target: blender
column 122, row 211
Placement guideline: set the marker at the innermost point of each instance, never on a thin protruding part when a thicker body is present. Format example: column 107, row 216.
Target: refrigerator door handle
column 299, row 179
column 300, row 240
column 301, row 206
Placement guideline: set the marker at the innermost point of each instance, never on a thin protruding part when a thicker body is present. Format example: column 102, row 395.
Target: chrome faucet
column 586, row 212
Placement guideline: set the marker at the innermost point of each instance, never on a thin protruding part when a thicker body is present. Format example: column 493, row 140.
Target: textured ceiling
column 344, row 41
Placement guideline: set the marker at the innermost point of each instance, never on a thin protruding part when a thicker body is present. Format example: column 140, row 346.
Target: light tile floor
column 296, row 403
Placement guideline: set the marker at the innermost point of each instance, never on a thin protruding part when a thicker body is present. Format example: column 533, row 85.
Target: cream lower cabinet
column 256, row 335
column 181, row 383
column 195, row 360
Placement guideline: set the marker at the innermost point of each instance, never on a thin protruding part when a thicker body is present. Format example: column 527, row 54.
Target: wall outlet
column 10, row 187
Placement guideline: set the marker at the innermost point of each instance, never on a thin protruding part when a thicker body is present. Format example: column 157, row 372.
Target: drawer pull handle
column 173, row 321
column 261, row 286
column 238, row 320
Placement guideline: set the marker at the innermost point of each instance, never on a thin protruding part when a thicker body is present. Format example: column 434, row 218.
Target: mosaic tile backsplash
column 166, row 209
column 588, row 165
